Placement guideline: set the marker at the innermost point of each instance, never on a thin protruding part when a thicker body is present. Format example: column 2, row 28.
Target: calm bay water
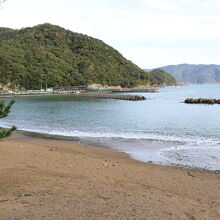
column 161, row 129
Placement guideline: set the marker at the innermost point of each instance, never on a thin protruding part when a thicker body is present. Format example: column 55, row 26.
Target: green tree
column 4, row 111
column 49, row 54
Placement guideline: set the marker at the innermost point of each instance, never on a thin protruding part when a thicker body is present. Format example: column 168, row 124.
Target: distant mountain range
column 195, row 74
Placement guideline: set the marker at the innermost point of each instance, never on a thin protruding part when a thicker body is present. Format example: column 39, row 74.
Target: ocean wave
column 190, row 151
column 139, row 136
column 184, row 139
column 203, row 156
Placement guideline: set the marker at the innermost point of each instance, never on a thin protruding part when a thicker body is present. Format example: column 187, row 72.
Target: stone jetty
column 81, row 94
column 111, row 96
column 202, row 101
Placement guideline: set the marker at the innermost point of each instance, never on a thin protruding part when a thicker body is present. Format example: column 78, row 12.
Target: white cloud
column 178, row 5
column 149, row 32
column 157, row 57
column 159, row 4
column 211, row 4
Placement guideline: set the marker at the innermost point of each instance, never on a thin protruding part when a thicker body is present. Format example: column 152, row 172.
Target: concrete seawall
column 153, row 89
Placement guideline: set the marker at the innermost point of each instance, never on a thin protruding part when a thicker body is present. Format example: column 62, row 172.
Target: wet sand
column 60, row 179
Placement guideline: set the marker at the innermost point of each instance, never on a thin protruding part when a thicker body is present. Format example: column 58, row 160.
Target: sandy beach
column 58, row 179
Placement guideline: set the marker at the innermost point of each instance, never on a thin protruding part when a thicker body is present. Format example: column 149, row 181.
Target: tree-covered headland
column 31, row 58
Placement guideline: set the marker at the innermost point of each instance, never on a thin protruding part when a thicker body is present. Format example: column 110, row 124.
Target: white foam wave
column 194, row 140
column 202, row 156
column 199, row 152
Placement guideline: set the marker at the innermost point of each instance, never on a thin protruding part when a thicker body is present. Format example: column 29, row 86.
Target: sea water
column 162, row 129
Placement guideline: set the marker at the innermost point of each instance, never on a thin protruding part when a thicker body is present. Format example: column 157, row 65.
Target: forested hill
column 48, row 54
column 30, row 58
column 160, row 77
column 196, row 74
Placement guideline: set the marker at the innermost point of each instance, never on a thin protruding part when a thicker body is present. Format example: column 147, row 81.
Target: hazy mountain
column 197, row 74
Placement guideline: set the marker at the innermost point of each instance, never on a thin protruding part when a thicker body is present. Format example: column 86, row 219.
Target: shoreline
column 60, row 179
column 77, row 140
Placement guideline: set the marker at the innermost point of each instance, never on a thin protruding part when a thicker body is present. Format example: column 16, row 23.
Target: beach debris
column 190, row 174
column 189, row 215
column 115, row 164
column 4, row 200
column 27, row 194
column 20, row 194
column 104, row 164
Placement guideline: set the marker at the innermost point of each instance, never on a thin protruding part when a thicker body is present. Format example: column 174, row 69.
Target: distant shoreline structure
column 71, row 90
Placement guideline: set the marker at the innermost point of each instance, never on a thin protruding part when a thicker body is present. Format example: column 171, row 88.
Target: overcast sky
column 151, row 33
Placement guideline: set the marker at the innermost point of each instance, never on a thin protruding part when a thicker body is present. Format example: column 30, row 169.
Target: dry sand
column 54, row 179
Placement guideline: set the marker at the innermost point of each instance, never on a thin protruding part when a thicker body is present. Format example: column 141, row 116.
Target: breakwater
column 202, row 101
column 111, row 96
column 81, row 94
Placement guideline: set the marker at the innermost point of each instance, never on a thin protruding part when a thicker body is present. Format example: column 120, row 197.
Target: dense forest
column 32, row 58
column 161, row 78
